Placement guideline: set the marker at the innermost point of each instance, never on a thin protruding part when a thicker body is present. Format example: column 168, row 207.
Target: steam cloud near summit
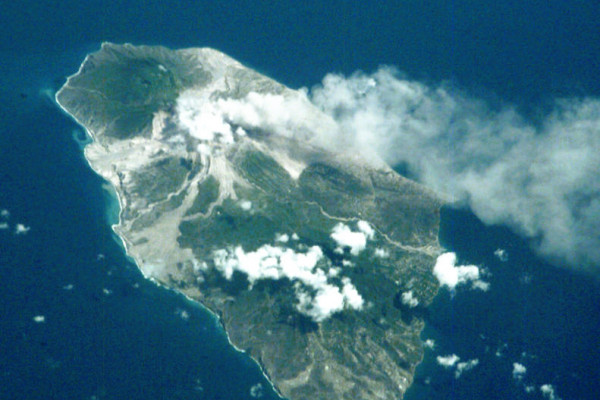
column 542, row 180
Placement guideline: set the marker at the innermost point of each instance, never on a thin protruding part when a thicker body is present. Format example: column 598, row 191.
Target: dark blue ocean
column 109, row 334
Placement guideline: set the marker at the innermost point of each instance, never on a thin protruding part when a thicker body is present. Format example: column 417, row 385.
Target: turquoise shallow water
column 113, row 335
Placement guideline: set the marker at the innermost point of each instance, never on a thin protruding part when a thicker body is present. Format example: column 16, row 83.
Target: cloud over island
column 451, row 275
column 539, row 177
column 317, row 295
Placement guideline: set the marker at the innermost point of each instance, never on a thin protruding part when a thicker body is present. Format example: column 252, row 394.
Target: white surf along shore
column 116, row 195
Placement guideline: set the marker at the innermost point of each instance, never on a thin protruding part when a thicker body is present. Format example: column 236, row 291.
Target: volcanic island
column 317, row 262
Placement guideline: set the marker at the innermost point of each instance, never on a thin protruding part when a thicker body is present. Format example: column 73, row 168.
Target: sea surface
column 77, row 319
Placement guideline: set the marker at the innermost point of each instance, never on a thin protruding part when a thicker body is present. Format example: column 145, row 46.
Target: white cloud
column 549, row 392
column 211, row 120
column 447, row 361
column 429, row 343
column 240, row 131
column 21, row 229
column 450, row 275
column 540, row 178
column 529, row 389
column 283, row 238
column 356, row 240
column 481, row 285
column 351, row 295
column 465, row 366
column 202, row 118
column 409, row 299
column 326, row 302
column 452, row 361
column 381, row 253
column 289, row 114
column 198, row 266
column 501, row 254
column 273, row 262
column 245, row 205
column 3, row 225
column 39, row 319
column 365, row 228
column 518, row 371
column 270, row 262
column 4, row 213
